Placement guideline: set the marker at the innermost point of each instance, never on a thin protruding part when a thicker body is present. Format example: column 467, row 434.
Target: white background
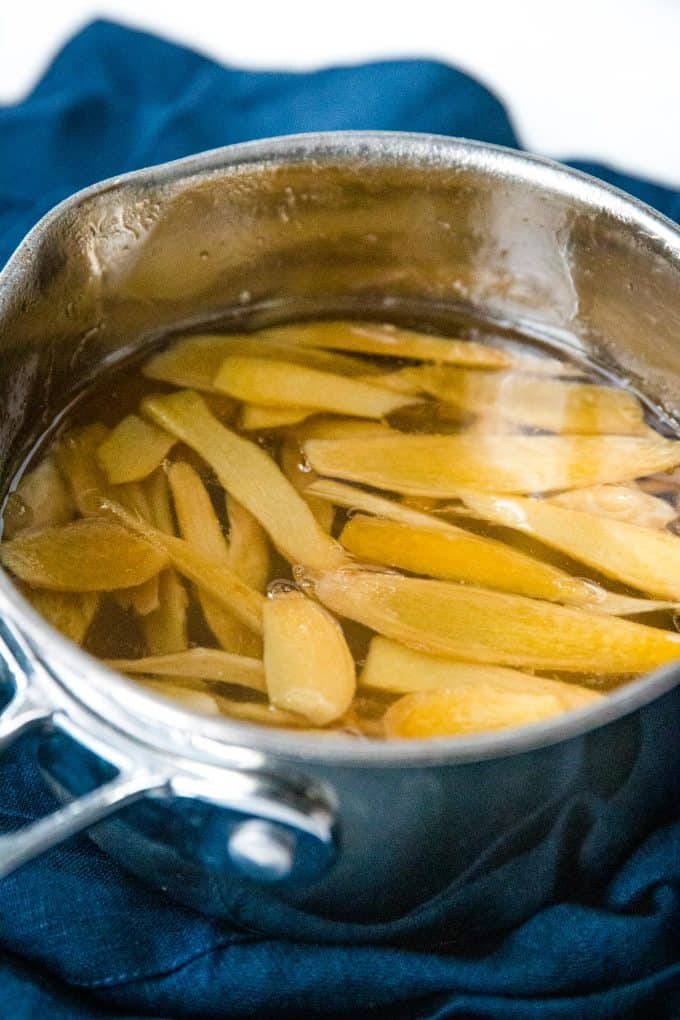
column 582, row 78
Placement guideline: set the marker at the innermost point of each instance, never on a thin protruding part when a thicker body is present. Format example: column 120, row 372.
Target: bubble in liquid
column 281, row 586
column 303, row 579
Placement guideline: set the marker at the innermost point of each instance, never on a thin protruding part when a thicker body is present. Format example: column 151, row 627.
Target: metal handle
column 27, row 709
column 286, row 825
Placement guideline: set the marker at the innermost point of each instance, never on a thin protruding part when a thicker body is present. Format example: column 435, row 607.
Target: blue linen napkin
column 81, row 939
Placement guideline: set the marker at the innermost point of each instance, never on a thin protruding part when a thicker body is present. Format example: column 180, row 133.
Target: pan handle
column 285, row 824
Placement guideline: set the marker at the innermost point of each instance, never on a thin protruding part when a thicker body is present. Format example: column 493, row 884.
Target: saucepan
column 308, row 836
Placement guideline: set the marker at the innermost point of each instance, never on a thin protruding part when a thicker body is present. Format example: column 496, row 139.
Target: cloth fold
column 79, row 938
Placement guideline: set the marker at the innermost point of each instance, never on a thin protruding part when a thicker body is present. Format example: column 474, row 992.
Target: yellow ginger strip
column 133, row 450
column 210, row 664
column 195, row 360
column 86, row 555
column 166, row 627
column 439, row 466
column 548, row 404
column 41, row 500
column 250, row 476
column 248, row 554
column 261, row 416
column 308, row 667
column 482, row 706
column 331, row 427
column 194, row 700
column 397, row 669
column 390, row 341
column 144, row 598
column 477, row 625
column 263, row 715
column 68, row 612
column 621, row 503
column 218, row 580
column 199, row 525
column 280, row 384
column 454, row 553
column 298, row 474
column 76, row 457
column 635, row 555
column 397, row 381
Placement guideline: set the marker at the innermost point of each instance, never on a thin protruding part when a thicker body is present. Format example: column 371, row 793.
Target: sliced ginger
column 390, row 341
column 483, row 705
column 281, row 384
column 250, row 476
column 209, row 664
column 621, row 503
column 629, row 553
column 133, row 450
column 298, row 474
column 549, row 404
column 68, row 612
column 86, row 555
column 308, row 667
column 396, row 669
column 199, row 525
column 439, row 466
column 41, row 499
column 195, row 361
column 478, row 625
column 261, row 416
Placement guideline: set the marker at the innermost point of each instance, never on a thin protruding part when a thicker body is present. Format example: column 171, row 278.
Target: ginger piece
column 261, row 416
column 477, row 625
column 195, row 360
column 209, row 664
column 621, row 503
column 298, row 474
column 629, row 553
column 281, row 384
column 440, row 466
column 85, row 555
column 250, row 476
column 218, row 580
column 482, row 706
column 144, row 598
column 76, row 457
column 133, row 450
column 308, row 667
column 390, row 341
column 248, row 552
column 329, row 426
column 199, row 525
column 549, row 404
column 41, row 499
column 71, row 613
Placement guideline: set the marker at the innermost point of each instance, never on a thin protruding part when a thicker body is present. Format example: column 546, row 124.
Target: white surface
column 586, row 78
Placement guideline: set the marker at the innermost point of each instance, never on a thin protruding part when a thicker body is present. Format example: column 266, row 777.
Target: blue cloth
column 78, row 937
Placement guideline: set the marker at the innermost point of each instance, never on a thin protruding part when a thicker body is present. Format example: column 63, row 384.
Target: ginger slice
column 390, row 341
column 308, row 667
column 133, row 450
column 71, row 613
column 439, row 466
column 458, row 554
column 193, row 698
column 248, row 554
column 144, row 598
column 262, row 416
column 297, row 473
column 85, row 555
column 209, row 664
column 549, row 404
column 477, row 625
column 337, row 427
column 621, row 503
column 281, row 384
column 250, row 476
column 195, row 360
column 165, row 628
column 397, row 669
column 199, row 525
column 218, row 580
column 41, row 499
column 76, row 458
column 629, row 553
column 483, row 705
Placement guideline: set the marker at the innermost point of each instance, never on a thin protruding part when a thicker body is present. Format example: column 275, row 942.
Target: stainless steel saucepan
column 331, row 837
